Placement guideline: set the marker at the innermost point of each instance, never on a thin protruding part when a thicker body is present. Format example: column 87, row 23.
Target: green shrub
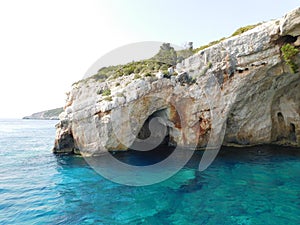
column 164, row 67
column 137, row 70
column 137, row 76
column 117, row 84
column 209, row 65
column 166, row 73
column 208, row 45
column 156, row 67
column 151, row 67
column 108, row 98
column 289, row 52
column 148, row 74
column 106, row 92
column 144, row 70
column 117, row 74
column 99, row 77
column 244, row 29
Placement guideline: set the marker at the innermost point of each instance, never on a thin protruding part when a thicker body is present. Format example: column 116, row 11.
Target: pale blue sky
column 45, row 46
column 190, row 20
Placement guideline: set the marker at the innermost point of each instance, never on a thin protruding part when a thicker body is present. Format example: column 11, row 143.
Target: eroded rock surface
column 241, row 85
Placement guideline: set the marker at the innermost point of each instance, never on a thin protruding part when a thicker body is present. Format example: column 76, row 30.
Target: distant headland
column 51, row 114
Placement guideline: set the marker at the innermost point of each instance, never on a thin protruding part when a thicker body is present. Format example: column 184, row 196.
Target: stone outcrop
column 238, row 92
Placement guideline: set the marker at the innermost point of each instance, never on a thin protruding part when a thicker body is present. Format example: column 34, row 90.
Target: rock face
column 52, row 114
column 238, row 92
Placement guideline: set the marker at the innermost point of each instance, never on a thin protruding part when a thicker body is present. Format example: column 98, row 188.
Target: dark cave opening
column 285, row 39
column 285, row 132
column 292, row 135
column 280, row 117
column 160, row 130
column 159, row 138
column 281, row 127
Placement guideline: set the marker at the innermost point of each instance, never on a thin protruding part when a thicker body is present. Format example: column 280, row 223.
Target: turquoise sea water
column 243, row 186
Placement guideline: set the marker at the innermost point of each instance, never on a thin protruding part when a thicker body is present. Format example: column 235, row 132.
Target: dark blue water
column 243, row 186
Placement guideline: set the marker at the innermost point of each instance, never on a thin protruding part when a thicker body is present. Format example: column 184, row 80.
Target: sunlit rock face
column 241, row 85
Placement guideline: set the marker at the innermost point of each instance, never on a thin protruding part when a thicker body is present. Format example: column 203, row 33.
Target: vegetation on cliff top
column 235, row 33
column 143, row 67
column 244, row 29
column 208, row 45
column 166, row 57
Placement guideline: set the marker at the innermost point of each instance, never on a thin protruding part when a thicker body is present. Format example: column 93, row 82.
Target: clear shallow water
column 259, row 186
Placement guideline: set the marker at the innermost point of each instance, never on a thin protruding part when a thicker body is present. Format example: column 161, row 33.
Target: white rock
column 159, row 75
column 243, row 84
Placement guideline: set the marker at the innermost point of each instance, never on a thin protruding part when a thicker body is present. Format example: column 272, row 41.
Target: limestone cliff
column 241, row 91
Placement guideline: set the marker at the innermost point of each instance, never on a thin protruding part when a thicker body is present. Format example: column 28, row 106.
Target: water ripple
column 258, row 185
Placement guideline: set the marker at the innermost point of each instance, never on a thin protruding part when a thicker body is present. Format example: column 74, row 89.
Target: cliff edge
column 242, row 91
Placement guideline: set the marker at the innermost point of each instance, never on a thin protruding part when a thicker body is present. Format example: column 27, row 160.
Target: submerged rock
column 243, row 93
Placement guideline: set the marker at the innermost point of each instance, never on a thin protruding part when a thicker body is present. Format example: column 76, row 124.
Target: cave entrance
column 285, row 131
column 285, row 39
column 152, row 143
column 292, row 135
column 280, row 117
column 281, row 127
column 157, row 122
